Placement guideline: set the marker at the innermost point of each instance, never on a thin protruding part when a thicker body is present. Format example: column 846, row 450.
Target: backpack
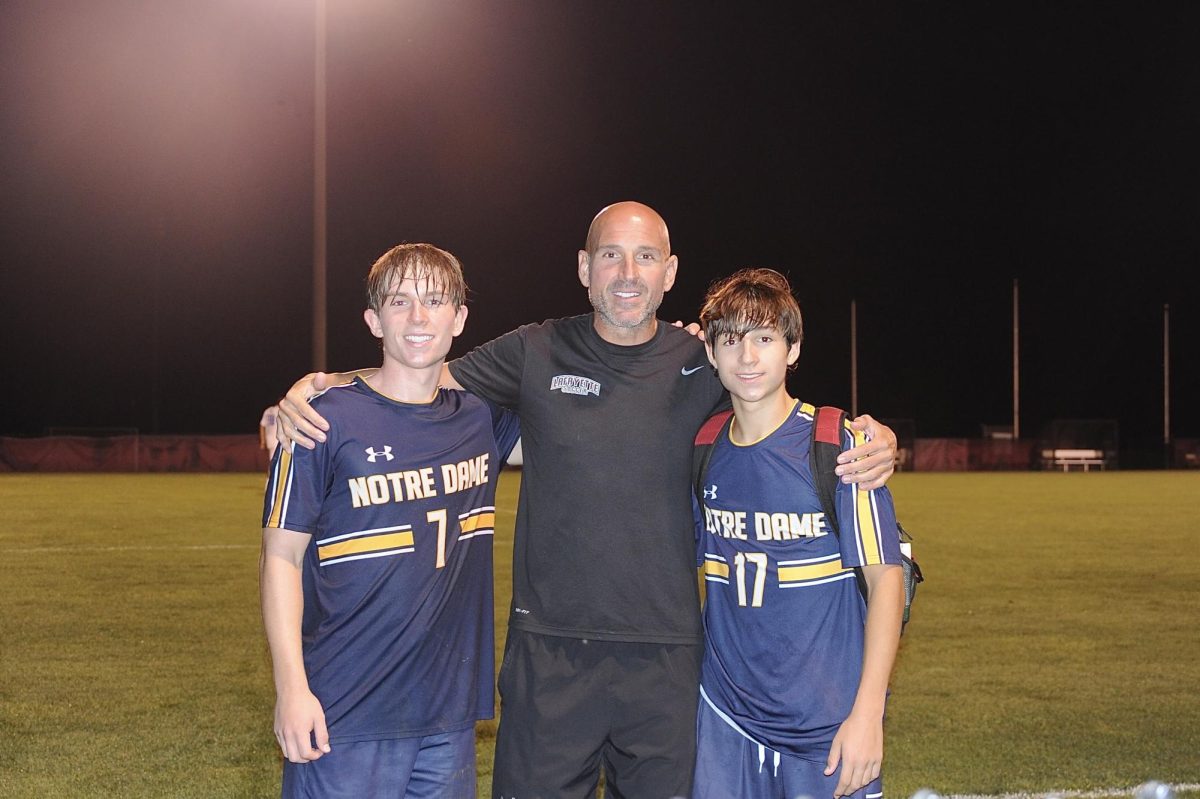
column 824, row 447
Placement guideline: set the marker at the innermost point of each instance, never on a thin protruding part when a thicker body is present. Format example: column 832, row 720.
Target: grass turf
column 1052, row 649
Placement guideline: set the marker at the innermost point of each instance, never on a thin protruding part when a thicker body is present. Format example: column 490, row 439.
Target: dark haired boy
column 796, row 664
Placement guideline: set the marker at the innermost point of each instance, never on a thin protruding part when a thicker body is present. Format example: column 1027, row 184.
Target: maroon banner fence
column 238, row 453
column 972, row 455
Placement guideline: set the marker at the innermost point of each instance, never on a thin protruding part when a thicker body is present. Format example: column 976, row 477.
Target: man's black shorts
column 570, row 706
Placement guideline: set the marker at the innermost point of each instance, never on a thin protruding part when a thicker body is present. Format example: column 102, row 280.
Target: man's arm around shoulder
column 872, row 463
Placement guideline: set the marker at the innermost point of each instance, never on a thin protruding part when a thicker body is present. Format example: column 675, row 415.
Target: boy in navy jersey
column 796, row 664
column 377, row 559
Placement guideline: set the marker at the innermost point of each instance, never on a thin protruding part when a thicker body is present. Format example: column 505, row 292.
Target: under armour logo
column 372, row 454
column 711, row 493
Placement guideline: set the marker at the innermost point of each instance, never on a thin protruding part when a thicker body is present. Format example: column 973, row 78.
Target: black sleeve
column 506, row 427
column 493, row 370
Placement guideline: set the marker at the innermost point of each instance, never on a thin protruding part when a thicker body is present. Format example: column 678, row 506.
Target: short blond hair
column 440, row 270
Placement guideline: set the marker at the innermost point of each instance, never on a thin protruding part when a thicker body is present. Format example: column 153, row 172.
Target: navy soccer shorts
column 730, row 764
column 431, row 767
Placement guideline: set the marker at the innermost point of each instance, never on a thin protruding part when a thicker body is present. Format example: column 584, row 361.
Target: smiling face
column 416, row 322
column 753, row 328
column 626, row 268
column 416, row 295
column 753, row 367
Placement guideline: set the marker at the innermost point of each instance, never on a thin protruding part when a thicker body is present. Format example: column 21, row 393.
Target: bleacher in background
column 1185, row 453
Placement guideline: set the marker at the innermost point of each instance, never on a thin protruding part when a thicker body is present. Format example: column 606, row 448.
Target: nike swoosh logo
column 690, row 371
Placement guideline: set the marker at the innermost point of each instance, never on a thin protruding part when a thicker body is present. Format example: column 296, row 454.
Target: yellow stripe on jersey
column 370, row 543
column 480, row 520
column 808, row 409
column 283, row 472
column 866, row 528
column 716, row 569
column 810, row 571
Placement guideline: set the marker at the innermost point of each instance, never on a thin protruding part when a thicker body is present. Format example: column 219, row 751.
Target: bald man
column 601, row 668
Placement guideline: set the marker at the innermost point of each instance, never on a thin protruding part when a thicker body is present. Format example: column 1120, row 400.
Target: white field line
column 1098, row 793
column 163, row 548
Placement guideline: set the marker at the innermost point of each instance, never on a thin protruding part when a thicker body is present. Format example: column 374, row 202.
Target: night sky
column 156, row 170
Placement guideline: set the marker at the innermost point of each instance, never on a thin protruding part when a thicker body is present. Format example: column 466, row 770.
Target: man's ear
column 372, row 319
column 585, row 262
column 672, row 267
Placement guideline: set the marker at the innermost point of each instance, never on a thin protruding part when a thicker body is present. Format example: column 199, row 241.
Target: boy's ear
column 708, row 349
column 460, row 319
column 372, row 320
column 793, row 353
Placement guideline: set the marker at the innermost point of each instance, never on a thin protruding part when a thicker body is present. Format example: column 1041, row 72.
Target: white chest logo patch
column 574, row 384
column 386, row 454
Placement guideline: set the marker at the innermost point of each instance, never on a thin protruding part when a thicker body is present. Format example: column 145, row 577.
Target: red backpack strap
column 828, row 425
column 710, row 431
column 712, row 428
column 826, row 445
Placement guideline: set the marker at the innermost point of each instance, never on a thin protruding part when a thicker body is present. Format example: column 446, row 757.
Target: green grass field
column 1053, row 648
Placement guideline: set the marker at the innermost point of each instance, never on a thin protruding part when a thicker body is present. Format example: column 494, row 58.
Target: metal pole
column 853, row 359
column 156, row 358
column 319, row 212
column 1016, row 401
column 1167, row 384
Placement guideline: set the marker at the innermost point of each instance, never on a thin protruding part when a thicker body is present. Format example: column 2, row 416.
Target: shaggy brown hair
column 750, row 299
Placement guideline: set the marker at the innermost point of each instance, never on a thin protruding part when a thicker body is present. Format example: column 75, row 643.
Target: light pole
column 1167, row 385
column 1016, row 331
column 320, row 310
column 853, row 359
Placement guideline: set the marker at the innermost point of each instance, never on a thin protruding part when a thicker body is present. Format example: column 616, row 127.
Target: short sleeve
column 296, row 488
column 866, row 519
column 506, row 428
column 493, row 370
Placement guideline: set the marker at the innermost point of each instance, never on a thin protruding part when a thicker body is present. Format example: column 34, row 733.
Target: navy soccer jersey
column 784, row 617
column 400, row 503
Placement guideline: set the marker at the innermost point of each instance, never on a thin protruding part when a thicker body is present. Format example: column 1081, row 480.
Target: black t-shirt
column 605, row 543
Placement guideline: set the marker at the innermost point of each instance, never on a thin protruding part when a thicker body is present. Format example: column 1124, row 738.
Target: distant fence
column 240, row 453
column 972, row 454
column 984, row 454
column 132, row 453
